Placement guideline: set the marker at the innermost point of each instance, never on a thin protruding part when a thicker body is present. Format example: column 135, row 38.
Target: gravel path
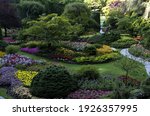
column 126, row 53
column 1, row 97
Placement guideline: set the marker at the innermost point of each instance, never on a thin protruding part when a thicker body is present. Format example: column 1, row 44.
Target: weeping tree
column 8, row 15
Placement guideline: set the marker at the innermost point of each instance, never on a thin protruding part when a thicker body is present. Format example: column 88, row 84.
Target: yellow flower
column 104, row 50
column 2, row 54
column 26, row 76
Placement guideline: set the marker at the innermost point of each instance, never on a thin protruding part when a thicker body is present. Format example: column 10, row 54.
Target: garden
column 75, row 49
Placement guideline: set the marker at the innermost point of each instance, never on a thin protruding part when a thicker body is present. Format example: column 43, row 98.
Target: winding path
column 126, row 53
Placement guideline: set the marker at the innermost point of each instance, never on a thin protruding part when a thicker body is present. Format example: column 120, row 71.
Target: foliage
column 53, row 82
column 31, row 9
column 98, row 59
column 26, row 76
column 11, row 49
column 88, row 73
column 2, row 54
column 127, row 65
column 35, row 44
column 79, row 13
column 139, row 51
column 124, row 43
column 145, row 87
column 68, row 52
column 52, row 28
column 90, row 50
column 104, row 50
column 3, row 44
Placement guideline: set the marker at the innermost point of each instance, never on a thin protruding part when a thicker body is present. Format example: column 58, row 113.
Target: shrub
column 11, row 49
column 97, row 59
column 26, row 76
column 145, row 86
column 90, row 50
column 77, row 13
column 3, row 45
column 104, row 50
column 53, row 82
column 139, row 51
column 34, row 44
column 123, row 44
column 88, row 73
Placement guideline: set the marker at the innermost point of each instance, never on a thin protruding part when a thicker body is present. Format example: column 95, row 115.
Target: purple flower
column 8, row 77
column 15, row 59
column 87, row 94
column 30, row 50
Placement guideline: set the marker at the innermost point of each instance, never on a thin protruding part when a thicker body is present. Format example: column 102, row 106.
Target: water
column 2, row 97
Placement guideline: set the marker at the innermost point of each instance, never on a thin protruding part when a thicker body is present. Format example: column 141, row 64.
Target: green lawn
column 105, row 68
column 3, row 93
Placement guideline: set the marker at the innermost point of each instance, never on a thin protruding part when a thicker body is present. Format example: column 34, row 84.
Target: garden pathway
column 126, row 53
column 1, row 97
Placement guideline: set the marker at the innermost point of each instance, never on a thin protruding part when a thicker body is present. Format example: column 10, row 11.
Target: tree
column 52, row 28
column 31, row 9
column 128, row 65
column 8, row 15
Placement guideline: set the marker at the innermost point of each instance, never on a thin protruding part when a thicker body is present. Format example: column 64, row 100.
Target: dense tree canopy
column 8, row 15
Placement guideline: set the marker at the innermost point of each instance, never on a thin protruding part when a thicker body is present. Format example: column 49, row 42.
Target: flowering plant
column 8, row 77
column 2, row 54
column 104, row 50
column 87, row 94
column 26, row 76
column 15, row 59
column 30, row 50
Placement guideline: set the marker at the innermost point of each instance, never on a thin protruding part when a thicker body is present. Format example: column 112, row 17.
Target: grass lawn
column 3, row 93
column 105, row 68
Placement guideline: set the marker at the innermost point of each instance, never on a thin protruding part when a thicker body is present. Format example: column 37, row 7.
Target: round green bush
column 12, row 49
column 90, row 50
column 53, row 82
column 88, row 73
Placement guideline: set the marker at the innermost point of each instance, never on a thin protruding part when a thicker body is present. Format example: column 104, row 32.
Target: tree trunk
column 5, row 31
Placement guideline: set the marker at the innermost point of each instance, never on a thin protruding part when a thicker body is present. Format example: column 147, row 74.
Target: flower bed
column 8, row 77
column 2, row 54
column 88, row 94
column 30, row 50
column 10, row 40
column 97, row 59
column 26, row 76
column 16, row 59
column 139, row 51
column 78, row 46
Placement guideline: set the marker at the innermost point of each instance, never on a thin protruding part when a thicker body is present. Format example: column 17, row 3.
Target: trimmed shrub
column 88, row 73
column 3, row 45
column 97, row 59
column 11, row 49
column 53, row 82
column 90, row 50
